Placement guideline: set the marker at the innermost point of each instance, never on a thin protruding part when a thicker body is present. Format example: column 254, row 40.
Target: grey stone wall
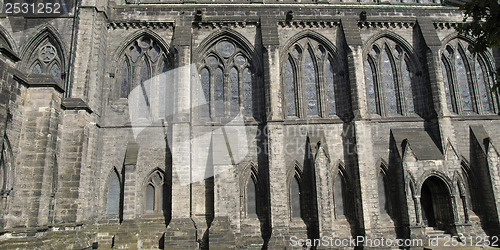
column 67, row 137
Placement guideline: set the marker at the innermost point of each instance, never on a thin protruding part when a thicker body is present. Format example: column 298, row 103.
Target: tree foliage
column 482, row 22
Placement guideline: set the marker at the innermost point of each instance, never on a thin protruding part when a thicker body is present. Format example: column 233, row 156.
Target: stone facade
column 321, row 119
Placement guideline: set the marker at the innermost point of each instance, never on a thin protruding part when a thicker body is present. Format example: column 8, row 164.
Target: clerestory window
column 467, row 79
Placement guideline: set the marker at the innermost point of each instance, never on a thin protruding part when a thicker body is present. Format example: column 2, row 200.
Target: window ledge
column 475, row 117
column 313, row 120
column 383, row 119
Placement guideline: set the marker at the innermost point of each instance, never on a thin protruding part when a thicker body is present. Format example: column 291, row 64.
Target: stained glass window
column 330, row 87
column 145, row 87
column 407, row 83
column 290, row 89
column 235, row 92
column 144, row 59
column 463, row 83
column 467, row 76
column 310, row 83
column 205, row 84
column 125, row 81
column 482, row 85
column 55, row 72
column 37, row 69
column 311, row 69
column 248, row 92
column 219, row 92
column 225, row 58
column 390, row 77
column 370, row 88
column 387, row 71
column 47, row 58
column 162, row 88
column 447, row 83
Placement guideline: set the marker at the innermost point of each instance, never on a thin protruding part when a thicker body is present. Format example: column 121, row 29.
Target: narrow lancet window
column 205, row 84
column 407, row 83
column 290, row 89
column 248, row 92
column 391, row 106
column 295, row 197
column 235, row 91
column 251, row 199
column 339, row 197
column 370, row 88
column 310, row 84
column 114, row 188
column 463, row 83
column 219, row 92
column 330, row 87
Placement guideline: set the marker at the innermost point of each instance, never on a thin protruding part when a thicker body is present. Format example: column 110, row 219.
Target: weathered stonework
column 336, row 161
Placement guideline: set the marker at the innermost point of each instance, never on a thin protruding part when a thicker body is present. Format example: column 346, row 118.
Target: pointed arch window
column 290, row 89
column 394, row 85
column 468, row 80
column 142, row 61
column 383, row 193
column 295, row 197
column 6, row 168
column 114, row 193
column 227, row 81
column 251, row 201
column 125, row 79
column 339, row 196
column 311, row 79
column 46, row 59
column 155, row 193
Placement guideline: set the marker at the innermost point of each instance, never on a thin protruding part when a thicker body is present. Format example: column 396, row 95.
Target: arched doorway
column 435, row 201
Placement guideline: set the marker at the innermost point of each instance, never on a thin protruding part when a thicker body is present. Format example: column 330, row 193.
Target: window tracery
column 311, row 80
column 393, row 84
column 467, row 79
column 155, row 191
column 141, row 60
column 227, row 79
column 46, row 60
